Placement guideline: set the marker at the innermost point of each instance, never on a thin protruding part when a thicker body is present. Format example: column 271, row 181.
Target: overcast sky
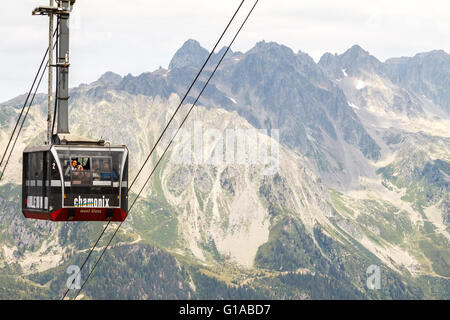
column 136, row 36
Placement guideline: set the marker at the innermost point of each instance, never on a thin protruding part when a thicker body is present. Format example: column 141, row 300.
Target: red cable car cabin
column 72, row 178
column 75, row 182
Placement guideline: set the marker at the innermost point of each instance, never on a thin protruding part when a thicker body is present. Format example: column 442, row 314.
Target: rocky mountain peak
column 356, row 51
column 327, row 59
column 357, row 59
column 354, row 61
column 191, row 54
column 434, row 54
column 110, row 77
column 426, row 73
column 273, row 51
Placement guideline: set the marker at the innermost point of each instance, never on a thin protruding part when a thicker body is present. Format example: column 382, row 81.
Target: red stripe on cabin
column 81, row 214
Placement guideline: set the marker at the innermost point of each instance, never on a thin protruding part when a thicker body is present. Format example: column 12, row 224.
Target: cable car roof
column 72, row 142
column 44, row 147
column 67, row 138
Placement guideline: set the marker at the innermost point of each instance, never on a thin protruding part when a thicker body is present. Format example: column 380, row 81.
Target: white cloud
column 139, row 35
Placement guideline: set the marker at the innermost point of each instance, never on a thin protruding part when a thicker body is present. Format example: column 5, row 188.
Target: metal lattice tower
column 62, row 12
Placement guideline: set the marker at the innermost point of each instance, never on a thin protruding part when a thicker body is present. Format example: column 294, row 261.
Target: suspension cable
column 23, row 109
column 186, row 94
column 159, row 139
column 23, row 121
column 26, row 113
column 184, row 120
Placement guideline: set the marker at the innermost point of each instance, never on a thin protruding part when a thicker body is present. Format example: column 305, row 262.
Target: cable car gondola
column 72, row 178
column 76, row 181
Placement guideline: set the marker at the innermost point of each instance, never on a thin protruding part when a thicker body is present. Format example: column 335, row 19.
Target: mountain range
column 362, row 180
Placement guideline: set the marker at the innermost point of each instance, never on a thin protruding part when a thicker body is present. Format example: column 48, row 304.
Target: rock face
column 409, row 85
column 427, row 74
column 274, row 88
column 351, row 63
column 294, row 95
column 367, row 82
column 191, row 54
column 446, row 211
column 361, row 177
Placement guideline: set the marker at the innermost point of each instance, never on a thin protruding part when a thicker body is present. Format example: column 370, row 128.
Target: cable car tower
column 71, row 178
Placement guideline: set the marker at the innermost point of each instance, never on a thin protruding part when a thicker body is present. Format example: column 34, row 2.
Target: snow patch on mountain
column 360, row 84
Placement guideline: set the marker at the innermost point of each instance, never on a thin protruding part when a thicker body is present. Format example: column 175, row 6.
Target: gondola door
column 36, row 200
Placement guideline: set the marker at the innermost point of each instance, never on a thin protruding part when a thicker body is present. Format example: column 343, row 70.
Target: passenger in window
column 95, row 173
column 85, row 175
column 73, row 167
column 106, row 172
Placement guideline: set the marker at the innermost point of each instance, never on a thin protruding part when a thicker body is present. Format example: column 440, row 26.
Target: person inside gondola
column 95, row 169
column 73, row 167
column 106, row 172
